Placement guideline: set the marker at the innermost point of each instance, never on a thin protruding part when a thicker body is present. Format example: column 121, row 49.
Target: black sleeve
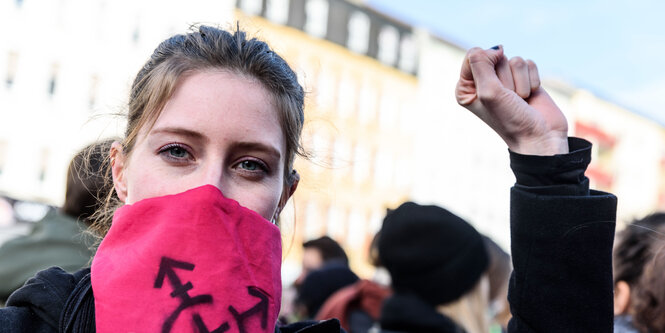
column 561, row 235
column 554, row 175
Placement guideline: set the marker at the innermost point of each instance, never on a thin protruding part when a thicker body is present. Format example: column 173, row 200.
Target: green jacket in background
column 56, row 240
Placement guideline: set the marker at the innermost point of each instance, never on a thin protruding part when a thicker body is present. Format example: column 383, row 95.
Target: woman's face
column 218, row 128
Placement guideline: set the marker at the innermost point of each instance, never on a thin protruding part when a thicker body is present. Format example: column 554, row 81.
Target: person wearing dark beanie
column 320, row 284
column 434, row 258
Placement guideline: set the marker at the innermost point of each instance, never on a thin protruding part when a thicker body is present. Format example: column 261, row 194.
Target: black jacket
column 50, row 302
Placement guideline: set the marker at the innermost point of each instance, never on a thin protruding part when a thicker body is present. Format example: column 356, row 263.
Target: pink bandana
column 190, row 262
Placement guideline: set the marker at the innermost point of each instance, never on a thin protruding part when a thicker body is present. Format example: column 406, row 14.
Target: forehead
column 222, row 105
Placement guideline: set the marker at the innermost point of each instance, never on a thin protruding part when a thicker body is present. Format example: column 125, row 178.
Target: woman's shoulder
column 39, row 303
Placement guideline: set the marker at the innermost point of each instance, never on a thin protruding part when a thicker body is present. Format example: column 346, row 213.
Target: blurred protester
column 316, row 253
column 59, row 238
column 437, row 263
column 649, row 300
column 498, row 273
column 319, row 285
column 634, row 250
column 381, row 275
column 358, row 306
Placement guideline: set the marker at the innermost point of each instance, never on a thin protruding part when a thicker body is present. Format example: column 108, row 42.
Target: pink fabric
column 190, row 262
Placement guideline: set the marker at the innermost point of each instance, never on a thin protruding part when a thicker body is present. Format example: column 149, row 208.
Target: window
column 53, row 81
column 358, row 40
column 388, row 108
column 361, row 164
column 277, row 11
column 341, row 157
column 367, row 102
column 321, row 149
column 325, row 90
column 408, row 50
column 12, row 63
column 43, row 165
column 335, row 223
column 355, row 236
column 252, row 7
column 316, row 22
column 136, row 34
column 93, row 91
column 383, row 169
column 346, row 100
column 312, row 221
column 388, row 45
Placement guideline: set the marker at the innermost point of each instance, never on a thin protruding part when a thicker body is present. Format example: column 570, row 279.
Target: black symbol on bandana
column 261, row 308
column 167, row 268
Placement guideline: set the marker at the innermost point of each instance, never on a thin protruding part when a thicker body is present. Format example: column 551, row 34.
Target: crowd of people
column 184, row 209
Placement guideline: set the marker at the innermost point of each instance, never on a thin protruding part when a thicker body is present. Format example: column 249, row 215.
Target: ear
column 621, row 297
column 117, row 170
column 294, row 179
column 289, row 188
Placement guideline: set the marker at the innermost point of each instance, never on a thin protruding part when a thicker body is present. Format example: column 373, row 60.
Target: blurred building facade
column 382, row 124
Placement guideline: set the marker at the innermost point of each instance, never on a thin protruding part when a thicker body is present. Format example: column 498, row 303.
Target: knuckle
column 489, row 96
column 476, row 55
column 517, row 62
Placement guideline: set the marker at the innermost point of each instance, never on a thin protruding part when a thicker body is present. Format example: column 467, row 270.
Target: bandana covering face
column 190, row 262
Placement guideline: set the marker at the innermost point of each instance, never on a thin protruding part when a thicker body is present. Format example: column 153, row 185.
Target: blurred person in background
column 358, row 306
column 381, row 275
column 316, row 253
column 649, row 301
column 634, row 250
column 319, row 252
column 59, row 239
column 437, row 263
column 319, row 285
column 498, row 273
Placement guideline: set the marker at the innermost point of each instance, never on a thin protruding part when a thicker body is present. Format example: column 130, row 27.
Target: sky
column 615, row 49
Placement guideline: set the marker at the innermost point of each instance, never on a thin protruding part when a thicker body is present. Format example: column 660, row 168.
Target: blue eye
column 177, row 152
column 250, row 165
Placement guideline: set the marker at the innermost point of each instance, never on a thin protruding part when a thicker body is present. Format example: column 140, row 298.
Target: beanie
column 431, row 253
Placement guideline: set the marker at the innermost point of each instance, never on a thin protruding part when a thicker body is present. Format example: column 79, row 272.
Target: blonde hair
column 470, row 310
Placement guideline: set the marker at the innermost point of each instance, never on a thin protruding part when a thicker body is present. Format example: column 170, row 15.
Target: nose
column 212, row 173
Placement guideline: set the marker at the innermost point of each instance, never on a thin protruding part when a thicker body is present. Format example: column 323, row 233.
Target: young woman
column 214, row 125
column 205, row 168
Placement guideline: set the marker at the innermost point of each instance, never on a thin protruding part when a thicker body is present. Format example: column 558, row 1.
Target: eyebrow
column 182, row 132
column 258, row 146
